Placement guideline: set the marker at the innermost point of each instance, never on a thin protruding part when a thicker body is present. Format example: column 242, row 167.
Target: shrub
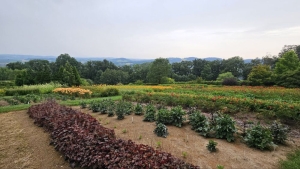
column 110, row 92
column 225, row 127
column 230, row 82
column 120, row 110
column 83, row 104
column 211, row 146
column 94, row 106
column 2, row 92
column 163, row 116
column 258, row 137
column 138, row 109
column 161, row 130
column 199, row 123
column 177, row 116
column 21, row 91
column 150, row 113
column 279, row 132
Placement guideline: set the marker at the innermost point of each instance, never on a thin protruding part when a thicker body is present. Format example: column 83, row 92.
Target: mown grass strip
column 6, row 109
column 292, row 161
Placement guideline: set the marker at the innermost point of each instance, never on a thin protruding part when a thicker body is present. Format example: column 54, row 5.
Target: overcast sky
column 149, row 28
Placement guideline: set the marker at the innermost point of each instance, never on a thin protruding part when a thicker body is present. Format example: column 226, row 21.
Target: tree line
column 269, row 70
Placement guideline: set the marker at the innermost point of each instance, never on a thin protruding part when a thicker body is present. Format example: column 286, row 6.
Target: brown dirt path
column 24, row 145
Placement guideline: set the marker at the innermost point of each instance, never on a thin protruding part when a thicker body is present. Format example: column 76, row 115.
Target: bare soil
column 230, row 155
column 24, row 145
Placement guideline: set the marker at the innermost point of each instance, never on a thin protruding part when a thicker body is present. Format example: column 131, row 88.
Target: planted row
column 84, row 142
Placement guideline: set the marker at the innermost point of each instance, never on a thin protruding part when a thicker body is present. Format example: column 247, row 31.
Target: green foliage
column 21, row 91
column 176, row 116
column 211, row 146
column 292, row 161
column 288, row 62
column 230, row 82
column 138, row 109
column 290, row 79
column 160, row 69
column 113, row 77
column 279, row 132
column 111, row 91
column 161, row 130
column 83, row 104
column 225, row 75
column 258, row 137
column 150, row 113
column 69, row 75
column 225, row 127
column 260, row 75
column 220, row 166
column 163, row 116
column 122, row 109
column 199, row 123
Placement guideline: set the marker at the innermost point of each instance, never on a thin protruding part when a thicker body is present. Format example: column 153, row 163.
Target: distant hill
column 7, row 58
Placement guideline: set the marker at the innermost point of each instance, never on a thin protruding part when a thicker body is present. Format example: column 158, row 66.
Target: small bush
column 138, row 109
column 177, row 116
column 150, row 113
column 279, row 132
column 230, row 82
column 211, row 146
column 120, row 110
column 225, row 127
column 161, row 130
column 199, row 123
column 83, row 104
column 163, row 116
column 110, row 92
column 258, row 137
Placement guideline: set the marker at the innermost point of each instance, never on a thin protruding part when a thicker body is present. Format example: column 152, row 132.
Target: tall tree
column 286, row 48
column 260, row 75
column 235, row 65
column 160, row 68
column 288, row 62
column 112, row 77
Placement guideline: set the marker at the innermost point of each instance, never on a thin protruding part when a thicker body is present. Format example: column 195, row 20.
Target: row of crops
column 85, row 143
column 218, row 124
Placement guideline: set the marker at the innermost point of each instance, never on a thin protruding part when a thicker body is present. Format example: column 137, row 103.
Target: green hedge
column 12, row 92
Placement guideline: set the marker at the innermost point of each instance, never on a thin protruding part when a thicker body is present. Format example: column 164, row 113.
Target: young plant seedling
column 211, row 146
column 124, row 131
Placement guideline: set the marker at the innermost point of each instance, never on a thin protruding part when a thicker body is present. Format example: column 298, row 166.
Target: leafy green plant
column 184, row 154
column 83, row 104
column 199, row 123
column 220, row 166
column 120, row 110
column 279, row 132
column 161, row 130
column 150, row 113
column 177, row 116
column 163, row 116
column 258, row 137
column 138, row 109
column 211, row 146
column 140, row 137
column 128, row 108
column 158, row 144
column 225, row 127
column 124, row 131
column 94, row 106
